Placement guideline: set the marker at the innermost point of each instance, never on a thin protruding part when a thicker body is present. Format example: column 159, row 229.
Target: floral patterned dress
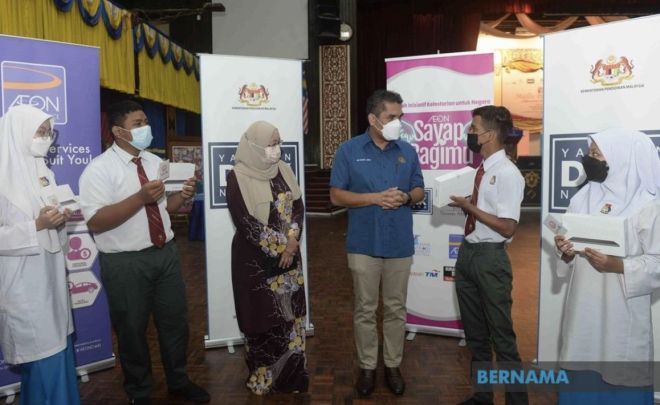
column 270, row 311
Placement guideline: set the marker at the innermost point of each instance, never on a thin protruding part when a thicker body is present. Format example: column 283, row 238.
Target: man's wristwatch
column 409, row 202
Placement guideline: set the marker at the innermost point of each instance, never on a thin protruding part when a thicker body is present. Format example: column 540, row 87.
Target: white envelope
column 66, row 198
column 605, row 234
column 458, row 182
column 179, row 173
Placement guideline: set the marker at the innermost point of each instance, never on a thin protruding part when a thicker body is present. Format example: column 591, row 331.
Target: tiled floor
column 435, row 367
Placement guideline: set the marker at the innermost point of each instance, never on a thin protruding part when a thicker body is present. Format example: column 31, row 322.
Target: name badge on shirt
column 492, row 180
column 44, row 181
column 402, row 160
column 606, row 208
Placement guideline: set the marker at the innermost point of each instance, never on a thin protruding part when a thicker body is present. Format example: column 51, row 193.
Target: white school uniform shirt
column 500, row 193
column 110, row 178
column 35, row 305
column 607, row 316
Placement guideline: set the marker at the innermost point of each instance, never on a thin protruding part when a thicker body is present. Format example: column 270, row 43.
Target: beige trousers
column 368, row 272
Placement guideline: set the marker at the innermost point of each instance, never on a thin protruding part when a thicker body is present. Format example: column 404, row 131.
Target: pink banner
column 439, row 93
column 438, row 138
column 473, row 64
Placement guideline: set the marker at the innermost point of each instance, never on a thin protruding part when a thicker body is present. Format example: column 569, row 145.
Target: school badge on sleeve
column 606, row 209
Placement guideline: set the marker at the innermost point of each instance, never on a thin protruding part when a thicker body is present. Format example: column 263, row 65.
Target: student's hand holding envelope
column 188, row 190
column 49, row 218
column 565, row 247
column 460, row 202
column 602, row 262
column 152, row 191
column 67, row 214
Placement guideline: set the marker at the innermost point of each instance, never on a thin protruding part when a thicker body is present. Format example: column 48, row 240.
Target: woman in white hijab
column 606, row 326
column 265, row 203
column 35, row 308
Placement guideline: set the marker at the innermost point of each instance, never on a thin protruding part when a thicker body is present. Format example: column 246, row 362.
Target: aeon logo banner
column 42, row 86
column 439, row 139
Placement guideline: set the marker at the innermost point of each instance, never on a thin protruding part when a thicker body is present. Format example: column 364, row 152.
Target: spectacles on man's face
column 45, row 133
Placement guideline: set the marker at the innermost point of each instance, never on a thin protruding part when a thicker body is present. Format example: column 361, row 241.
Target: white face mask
column 40, row 146
column 141, row 137
column 273, row 153
column 392, row 130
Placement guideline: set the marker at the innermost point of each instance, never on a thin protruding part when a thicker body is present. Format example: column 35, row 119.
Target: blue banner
column 63, row 80
column 566, row 174
column 221, row 159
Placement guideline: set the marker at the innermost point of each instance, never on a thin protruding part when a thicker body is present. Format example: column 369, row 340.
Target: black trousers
column 140, row 284
column 483, row 286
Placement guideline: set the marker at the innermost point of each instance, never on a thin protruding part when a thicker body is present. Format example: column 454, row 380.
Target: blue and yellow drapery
column 183, row 84
column 103, row 24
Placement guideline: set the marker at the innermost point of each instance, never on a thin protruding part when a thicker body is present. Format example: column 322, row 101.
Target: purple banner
column 63, row 80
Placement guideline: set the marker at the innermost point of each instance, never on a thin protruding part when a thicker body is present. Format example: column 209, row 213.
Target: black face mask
column 473, row 143
column 596, row 170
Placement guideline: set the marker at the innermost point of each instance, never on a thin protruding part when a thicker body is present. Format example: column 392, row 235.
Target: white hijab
column 633, row 179
column 20, row 171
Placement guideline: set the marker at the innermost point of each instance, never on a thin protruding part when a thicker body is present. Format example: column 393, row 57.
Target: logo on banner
column 253, row 95
column 613, row 71
column 39, row 85
column 432, row 274
column 438, row 139
column 84, row 287
column 222, row 158
column 82, row 252
column 454, row 244
column 449, row 273
column 424, row 207
column 421, row 249
column 566, row 171
column 407, row 131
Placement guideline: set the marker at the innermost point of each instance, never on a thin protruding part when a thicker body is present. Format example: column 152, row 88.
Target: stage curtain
column 182, row 90
column 21, row 18
column 117, row 56
column 404, row 28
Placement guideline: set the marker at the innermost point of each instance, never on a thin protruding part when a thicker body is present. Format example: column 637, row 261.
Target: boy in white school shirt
column 484, row 279
column 127, row 211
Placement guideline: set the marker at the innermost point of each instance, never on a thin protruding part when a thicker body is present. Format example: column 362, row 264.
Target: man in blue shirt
column 377, row 177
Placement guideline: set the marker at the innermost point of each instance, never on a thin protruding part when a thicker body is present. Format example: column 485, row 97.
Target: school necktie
column 156, row 229
column 470, row 222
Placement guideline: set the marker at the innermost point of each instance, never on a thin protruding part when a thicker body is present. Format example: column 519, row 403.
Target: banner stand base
column 84, row 371
column 9, row 392
column 229, row 343
column 226, row 342
column 414, row 329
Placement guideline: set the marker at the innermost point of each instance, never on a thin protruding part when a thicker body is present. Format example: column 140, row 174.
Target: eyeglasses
column 44, row 133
